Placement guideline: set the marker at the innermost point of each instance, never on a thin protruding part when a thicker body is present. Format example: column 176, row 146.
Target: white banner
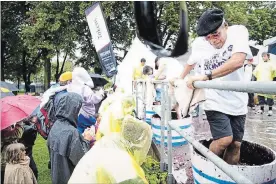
column 101, row 39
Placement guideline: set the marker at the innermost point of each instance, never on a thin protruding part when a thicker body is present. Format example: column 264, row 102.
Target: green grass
column 41, row 157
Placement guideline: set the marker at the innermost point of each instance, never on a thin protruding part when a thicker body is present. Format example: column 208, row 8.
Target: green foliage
column 235, row 12
column 48, row 29
column 262, row 24
column 119, row 18
column 152, row 171
column 68, row 67
column 167, row 14
column 39, row 76
column 34, row 32
column 11, row 44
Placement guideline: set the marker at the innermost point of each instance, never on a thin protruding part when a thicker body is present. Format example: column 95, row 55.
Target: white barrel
column 149, row 114
column 177, row 140
column 262, row 168
column 156, row 109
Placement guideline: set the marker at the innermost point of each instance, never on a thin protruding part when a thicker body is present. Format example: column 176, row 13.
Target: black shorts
column 223, row 125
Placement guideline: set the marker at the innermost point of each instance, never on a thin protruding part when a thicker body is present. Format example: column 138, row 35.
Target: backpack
column 46, row 116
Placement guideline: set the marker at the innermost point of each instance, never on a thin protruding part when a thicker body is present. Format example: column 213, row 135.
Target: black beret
column 209, row 22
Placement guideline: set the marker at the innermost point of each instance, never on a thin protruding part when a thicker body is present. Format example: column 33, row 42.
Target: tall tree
column 50, row 31
column 12, row 16
column 261, row 23
column 35, row 32
column 119, row 18
column 16, row 59
column 67, row 66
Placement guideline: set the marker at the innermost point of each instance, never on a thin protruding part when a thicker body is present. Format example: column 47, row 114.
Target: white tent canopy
column 136, row 52
column 269, row 41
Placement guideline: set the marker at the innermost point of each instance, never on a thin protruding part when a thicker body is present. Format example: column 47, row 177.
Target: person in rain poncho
column 64, row 80
column 82, row 84
column 116, row 157
column 137, row 71
column 265, row 71
column 66, row 145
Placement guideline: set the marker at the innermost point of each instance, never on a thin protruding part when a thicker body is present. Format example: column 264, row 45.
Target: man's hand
column 172, row 81
column 88, row 134
column 192, row 79
column 101, row 92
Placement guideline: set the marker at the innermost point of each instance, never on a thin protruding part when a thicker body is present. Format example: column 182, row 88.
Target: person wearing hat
column 82, row 84
column 221, row 51
column 65, row 78
column 138, row 70
column 265, row 71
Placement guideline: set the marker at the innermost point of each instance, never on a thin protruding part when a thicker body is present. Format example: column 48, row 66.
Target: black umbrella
column 98, row 80
column 254, row 51
column 9, row 86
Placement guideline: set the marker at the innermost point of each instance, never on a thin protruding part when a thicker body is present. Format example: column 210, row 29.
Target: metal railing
column 248, row 87
column 165, row 111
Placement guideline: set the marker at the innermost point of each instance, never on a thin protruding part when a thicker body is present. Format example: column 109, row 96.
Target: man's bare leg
column 232, row 153
column 177, row 110
column 219, row 146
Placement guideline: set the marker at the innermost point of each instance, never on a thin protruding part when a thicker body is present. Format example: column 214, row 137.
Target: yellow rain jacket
column 113, row 110
column 265, row 71
column 138, row 72
column 116, row 157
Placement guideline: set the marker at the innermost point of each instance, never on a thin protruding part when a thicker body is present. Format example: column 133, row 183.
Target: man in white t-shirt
column 221, row 51
column 167, row 68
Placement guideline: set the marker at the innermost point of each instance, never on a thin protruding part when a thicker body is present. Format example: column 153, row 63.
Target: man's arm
column 235, row 62
column 186, row 70
column 159, row 71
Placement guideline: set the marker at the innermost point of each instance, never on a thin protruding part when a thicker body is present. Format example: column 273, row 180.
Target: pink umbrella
column 17, row 108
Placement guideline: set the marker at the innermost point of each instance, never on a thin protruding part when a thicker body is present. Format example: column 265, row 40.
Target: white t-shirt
column 172, row 68
column 210, row 58
column 248, row 71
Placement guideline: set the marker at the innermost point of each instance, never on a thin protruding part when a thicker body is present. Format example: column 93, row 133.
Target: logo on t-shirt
column 218, row 59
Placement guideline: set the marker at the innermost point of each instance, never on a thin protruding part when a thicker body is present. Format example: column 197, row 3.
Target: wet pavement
column 260, row 129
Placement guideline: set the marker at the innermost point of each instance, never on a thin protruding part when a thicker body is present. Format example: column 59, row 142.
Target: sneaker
column 270, row 113
column 259, row 112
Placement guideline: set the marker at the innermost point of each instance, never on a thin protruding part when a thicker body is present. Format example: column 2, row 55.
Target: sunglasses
column 216, row 34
